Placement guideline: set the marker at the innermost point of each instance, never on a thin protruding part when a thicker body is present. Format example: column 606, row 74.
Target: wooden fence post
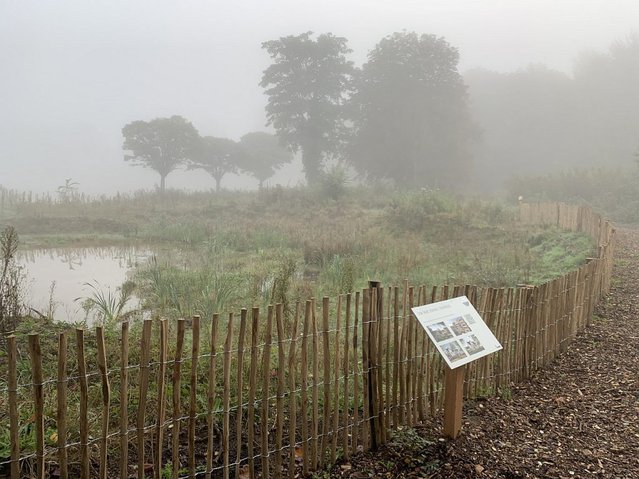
column 145, row 348
column 13, row 407
column 176, row 411
column 453, row 401
column 159, row 444
column 38, row 395
column 124, row 402
column 106, row 399
column 61, row 415
column 195, row 354
column 239, row 389
column 375, row 398
column 84, row 405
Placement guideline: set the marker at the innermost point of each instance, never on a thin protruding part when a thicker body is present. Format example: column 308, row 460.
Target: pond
column 59, row 279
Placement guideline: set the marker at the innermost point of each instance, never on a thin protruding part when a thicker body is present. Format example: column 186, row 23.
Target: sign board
column 457, row 330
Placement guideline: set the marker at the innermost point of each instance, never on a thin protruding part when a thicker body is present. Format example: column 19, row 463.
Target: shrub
column 334, row 181
column 11, row 278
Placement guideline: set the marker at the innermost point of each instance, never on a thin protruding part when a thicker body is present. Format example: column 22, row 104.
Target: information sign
column 457, row 330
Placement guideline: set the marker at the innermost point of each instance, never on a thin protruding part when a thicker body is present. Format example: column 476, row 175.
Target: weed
column 338, row 276
column 180, row 292
column 485, row 391
column 505, row 393
column 414, row 211
column 280, row 290
column 108, row 308
column 334, row 182
column 11, row 279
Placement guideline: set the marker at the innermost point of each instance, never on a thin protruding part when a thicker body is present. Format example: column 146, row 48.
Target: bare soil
column 578, row 418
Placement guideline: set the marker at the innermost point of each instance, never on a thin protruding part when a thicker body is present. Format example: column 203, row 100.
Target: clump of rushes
column 107, row 307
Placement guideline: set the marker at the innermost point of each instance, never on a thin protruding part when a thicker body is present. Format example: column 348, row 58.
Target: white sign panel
column 457, row 330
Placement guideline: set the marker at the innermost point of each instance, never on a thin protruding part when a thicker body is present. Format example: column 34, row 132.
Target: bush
column 11, row 278
column 334, row 181
column 415, row 210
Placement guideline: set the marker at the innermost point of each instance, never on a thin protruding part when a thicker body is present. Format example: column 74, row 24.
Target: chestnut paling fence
column 270, row 393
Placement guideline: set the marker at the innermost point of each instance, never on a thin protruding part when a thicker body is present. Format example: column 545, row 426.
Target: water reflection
column 57, row 277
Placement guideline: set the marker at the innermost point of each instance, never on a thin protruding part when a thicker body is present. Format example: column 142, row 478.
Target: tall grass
column 215, row 252
column 11, row 282
column 108, row 307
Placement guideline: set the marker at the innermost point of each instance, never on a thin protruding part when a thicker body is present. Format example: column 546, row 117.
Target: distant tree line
column 164, row 144
column 402, row 116
column 540, row 121
column 406, row 116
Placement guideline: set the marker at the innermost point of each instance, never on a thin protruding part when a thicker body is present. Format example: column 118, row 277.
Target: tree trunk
column 311, row 160
column 162, row 183
column 218, row 180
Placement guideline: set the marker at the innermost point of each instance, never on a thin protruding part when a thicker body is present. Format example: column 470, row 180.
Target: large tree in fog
column 529, row 120
column 410, row 116
column 608, row 88
column 264, row 155
column 218, row 157
column 306, row 86
column 162, row 144
column 537, row 121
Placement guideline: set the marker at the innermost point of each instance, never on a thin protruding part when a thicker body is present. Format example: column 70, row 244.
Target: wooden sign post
column 461, row 336
column 453, row 400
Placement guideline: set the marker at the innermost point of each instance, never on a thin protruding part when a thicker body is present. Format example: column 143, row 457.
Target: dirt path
column 578, row 418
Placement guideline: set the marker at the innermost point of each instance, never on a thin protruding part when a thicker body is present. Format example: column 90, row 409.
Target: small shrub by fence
column 272, row 393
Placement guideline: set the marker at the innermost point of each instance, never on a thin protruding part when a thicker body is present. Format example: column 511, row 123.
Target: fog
column 75, row 72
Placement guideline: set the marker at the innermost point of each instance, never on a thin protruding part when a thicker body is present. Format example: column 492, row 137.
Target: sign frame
column 457, row 330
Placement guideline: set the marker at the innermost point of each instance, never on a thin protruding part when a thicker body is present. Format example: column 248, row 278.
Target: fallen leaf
column 244, row 472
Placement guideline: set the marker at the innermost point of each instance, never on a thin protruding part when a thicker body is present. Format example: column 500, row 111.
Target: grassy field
column 218, row 252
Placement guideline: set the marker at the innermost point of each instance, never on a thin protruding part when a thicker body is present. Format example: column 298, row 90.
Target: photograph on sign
column 457, row 330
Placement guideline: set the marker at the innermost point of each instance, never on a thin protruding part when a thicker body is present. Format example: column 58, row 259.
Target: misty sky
column 75, row 72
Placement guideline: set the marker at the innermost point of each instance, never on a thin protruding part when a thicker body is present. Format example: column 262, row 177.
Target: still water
column 57, row 278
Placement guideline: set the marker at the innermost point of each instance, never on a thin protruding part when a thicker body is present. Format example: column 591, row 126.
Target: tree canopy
column 536, row 120
column 306, row 86
column 264, row 154
column 410, row 115
column 161, row 144
column 218, row 157
column 608, row 88
column 529, row 122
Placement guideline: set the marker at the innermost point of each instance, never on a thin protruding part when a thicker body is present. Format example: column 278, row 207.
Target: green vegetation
column 217, row 252
column 11, row 282
column 558, row 253
column 613, row 192
column 106, row 306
